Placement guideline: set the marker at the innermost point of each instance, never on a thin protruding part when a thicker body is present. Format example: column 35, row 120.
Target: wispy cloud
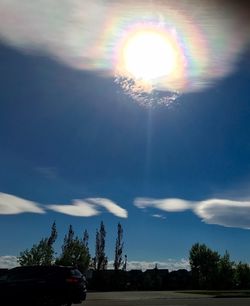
column 90, row 207
column 8, row 261
column 11, row 205
column 224, row 212
column 170, row 264
column 159, row 216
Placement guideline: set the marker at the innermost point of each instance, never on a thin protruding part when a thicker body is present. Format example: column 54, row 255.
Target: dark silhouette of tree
column 242, row 276
column 118, row 261
column 41, row 253
column 124, row 268
column 75, row 251
column 86, row 239
column 226, row 272
column 204, row 266
column 100, row 260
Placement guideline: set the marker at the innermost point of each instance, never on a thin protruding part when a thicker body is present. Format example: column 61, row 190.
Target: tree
column 74, row 251
column 242, row 276
column 100, row 260
column 118, row 262
column 86, row 239
column 226, row 272
column 204, row 266
column 42, row 253
column 124, row 267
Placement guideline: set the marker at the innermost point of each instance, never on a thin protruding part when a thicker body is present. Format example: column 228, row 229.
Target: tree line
column 209, row 269
column 75, row 251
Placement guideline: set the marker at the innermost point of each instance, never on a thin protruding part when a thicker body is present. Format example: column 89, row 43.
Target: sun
column 148, row 56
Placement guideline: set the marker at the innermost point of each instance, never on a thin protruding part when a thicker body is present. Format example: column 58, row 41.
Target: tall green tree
column 204, row 266
column 74, row 251
column 100, row 261
column 118, row 261
column 41, row 253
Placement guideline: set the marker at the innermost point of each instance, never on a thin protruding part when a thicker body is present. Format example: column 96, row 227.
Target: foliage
column 41, row 253
column 100, row 260
column 226, row 272
column 212, row 271
column 118, row 261
column 75, row 251
column 204, row 266
column 242, row 276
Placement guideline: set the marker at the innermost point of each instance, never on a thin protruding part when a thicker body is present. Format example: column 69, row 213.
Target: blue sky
column 70, row 134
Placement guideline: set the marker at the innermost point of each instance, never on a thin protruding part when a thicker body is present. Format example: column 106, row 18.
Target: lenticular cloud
column 206, row 39
column 224, row 212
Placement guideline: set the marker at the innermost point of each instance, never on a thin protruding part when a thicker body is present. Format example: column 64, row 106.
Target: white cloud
column 170, row 264
column 86, row 34
column 79, row 208
column 11, row 205
column 89, row 207
column 112, row 207
column 225, row 212
column 222, row 212
column 8, row 262
column 163, row 204
column 159, row 216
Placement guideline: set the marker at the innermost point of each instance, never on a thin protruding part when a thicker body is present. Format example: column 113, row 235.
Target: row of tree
column 210, row 270
column 75, row 251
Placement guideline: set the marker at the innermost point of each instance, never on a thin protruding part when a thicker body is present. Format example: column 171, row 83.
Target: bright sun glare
column 148, row 55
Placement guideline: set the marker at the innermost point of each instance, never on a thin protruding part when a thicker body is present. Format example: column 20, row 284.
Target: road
column 159, row 299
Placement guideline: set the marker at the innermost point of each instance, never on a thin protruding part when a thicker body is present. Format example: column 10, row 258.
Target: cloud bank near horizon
column 9, row 262
column 170, row 264
column 224, row 212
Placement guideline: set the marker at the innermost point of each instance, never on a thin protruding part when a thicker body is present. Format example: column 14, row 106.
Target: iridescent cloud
column 202, row 41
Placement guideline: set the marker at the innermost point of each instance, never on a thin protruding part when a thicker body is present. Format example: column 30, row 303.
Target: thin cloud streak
column 224, row 212
column 159, row 216
column 12, row 205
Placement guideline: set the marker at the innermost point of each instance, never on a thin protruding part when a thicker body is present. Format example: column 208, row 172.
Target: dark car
column 43, row 285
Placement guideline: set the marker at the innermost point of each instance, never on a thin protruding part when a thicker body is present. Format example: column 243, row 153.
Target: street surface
column 159, row 299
